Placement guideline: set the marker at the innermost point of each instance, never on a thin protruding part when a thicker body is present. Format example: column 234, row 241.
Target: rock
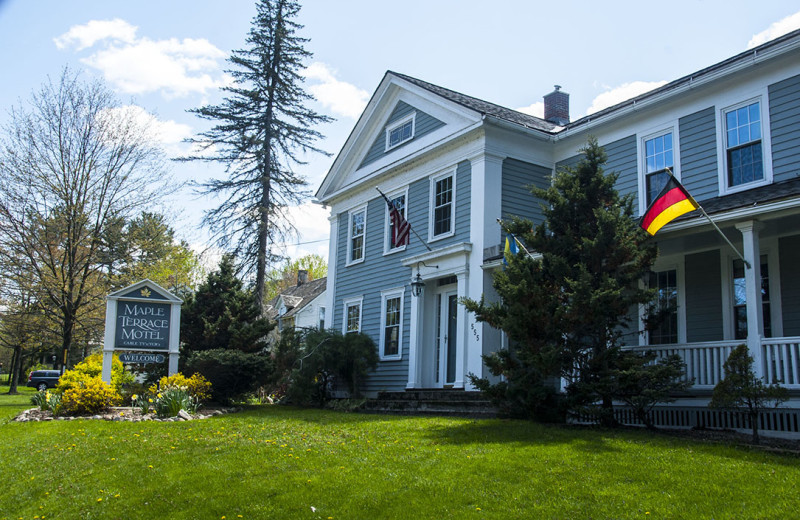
column 183, row 414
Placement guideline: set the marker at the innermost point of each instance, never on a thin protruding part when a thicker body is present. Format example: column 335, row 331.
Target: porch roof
column 748, row 198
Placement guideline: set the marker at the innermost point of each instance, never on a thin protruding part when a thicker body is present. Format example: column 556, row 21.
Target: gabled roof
column 484, row 107
column 296, row 298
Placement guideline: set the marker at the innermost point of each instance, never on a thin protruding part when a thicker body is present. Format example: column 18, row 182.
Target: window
column 391, row 324
column 399, row 202
column 400, row 132
column 357, row 230
column 664, row 311
column 322, row 318
column 352, row 316
column 743, row 145
column 658, row 157
column 740, row 299
column 442, row 206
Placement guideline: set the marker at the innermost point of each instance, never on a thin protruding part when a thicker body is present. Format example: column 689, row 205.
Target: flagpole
column 410, row 227
column 499, row 221
column 746, row 263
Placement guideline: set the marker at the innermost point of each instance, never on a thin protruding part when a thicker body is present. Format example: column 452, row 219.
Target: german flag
column 671, row 203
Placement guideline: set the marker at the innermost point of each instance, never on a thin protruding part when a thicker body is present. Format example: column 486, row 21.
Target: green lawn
column 277, row 462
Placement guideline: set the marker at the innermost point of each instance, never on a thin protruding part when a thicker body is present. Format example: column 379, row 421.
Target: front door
column 446, row 336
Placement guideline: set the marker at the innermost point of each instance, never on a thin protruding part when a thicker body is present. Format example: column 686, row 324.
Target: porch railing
column 780, row 360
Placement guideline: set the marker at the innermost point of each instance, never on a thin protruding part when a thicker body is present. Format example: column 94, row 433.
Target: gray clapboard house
column 455, row 164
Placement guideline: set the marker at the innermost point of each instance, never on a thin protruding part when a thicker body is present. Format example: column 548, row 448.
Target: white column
column 485, row 209
column 108, row 339
column 463, row 339
column 330, row 285
column 752, row 276
column 414, row 341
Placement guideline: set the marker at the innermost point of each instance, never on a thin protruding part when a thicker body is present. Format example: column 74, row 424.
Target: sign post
column 143, row 317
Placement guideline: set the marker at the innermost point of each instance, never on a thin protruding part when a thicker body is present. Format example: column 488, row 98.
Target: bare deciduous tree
column 70, row 159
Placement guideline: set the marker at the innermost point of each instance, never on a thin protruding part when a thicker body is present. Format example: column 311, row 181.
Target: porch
column 775, row 360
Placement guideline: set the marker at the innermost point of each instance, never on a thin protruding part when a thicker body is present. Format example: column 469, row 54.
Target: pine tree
column 263, row 128
column 567, row 311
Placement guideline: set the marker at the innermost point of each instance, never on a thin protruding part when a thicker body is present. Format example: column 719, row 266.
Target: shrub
column 172, row 399
column 92, row 366
column 320, row 361
column 143, row 402
column 198, row 386
column 89, row 395
column 232, row 373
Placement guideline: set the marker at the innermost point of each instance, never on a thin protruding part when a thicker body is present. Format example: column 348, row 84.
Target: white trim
column 641, row 153
column 398, row 292
column 352, row 302
column 350, row 214
column 397, row 124
column 762, row 99
column 433, row 179
column 387, row 250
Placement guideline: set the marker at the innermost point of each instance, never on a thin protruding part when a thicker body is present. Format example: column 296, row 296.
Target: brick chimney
column 302, row 277
column 556, row 107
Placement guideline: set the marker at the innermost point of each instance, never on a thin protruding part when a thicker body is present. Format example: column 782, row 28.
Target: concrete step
column 432, row 402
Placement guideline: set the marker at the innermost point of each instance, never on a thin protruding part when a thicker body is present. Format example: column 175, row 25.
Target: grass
column 277, row 462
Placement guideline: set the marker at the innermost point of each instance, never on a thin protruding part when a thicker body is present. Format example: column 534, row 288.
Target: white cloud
column 84, row 36
column 313, row 229
column 343, row 99
column 621, row 93
column 169, row 134
column 134, row 65
column 779, row 28
column 534, row 109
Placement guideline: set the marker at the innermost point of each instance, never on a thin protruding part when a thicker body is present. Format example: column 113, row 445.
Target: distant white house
column 301, row 306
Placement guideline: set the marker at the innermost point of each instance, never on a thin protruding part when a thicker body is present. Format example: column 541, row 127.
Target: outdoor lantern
column 417, row 286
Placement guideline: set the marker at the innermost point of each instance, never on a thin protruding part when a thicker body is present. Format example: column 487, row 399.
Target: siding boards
column 703, row 297
column 789, row 254
column 784, row 118
column 517, row 199
column 380, row 272
column 622, row 160
column 698, row 140
column 423, row 124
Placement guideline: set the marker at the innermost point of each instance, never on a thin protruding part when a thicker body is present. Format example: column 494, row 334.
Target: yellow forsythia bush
column 92, row 366
column 89, row 395
column 198, row 386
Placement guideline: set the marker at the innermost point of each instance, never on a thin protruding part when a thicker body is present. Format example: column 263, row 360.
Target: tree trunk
column 754, row 425
column 13, row 374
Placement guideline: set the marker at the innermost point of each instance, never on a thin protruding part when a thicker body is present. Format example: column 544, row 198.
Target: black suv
column 43, row 379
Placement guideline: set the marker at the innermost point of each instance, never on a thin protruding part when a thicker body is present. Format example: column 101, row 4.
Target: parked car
column 43, row 379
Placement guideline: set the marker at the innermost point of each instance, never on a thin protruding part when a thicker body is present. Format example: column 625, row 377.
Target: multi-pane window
column 399, row 133
column 743, row 144
column 357, row 231
column 399, row 203
column 322, row 318
column 352, row 315
column 443, row 206
column 391, row 327
column 740, row 299
column 664, row 312
column 658, row 157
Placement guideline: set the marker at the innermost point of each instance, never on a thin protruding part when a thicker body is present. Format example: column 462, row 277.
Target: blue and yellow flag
column 510, row 248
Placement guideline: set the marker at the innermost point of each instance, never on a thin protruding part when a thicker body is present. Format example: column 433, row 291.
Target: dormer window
column 399, row 132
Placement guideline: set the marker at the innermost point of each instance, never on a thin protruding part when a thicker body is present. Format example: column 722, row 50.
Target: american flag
column 400, row 226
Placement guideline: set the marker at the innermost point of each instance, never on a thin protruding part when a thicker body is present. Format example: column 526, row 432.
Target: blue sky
column 168, row 56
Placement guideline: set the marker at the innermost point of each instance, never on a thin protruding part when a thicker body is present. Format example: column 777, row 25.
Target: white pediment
column 350, row 169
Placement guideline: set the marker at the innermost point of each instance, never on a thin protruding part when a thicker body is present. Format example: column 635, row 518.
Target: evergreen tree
column 263, row 129
column 223, row 315
column 568, row 310
column 743, row 389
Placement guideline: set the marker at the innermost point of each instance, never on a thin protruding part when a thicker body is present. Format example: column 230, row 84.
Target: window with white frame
column 658, row 157
column 663, row 329
column 743, row 149
column 357, row 229
column 322, row 318
column 391, row 324
column 399, row 132
column 352, row 316
column 442, row 206
column 399, row 201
